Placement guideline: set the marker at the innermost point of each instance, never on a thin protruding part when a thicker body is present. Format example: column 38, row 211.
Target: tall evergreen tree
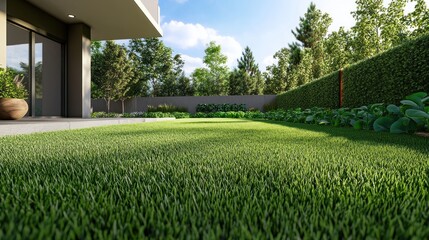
column 313, row 27
column 247, row 79
column 311, row 31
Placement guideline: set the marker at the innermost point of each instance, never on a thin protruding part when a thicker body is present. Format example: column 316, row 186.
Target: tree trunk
column 123, row 105
column 108, row 105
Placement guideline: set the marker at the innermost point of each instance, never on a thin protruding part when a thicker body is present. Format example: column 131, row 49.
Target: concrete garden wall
column 140, row 104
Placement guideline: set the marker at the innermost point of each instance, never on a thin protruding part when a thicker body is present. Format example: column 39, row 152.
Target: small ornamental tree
column 115, row 73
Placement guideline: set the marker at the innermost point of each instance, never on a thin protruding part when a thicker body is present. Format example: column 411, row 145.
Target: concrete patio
column 36, row 125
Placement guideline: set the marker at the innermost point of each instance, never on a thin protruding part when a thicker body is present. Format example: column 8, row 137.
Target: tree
column 302, row 74
column 418, row 20
column 367, row 31
column 176, row 84
column 338, row 50
column 312, row 27
column 394, row 30
column 202, row 82
column 247, row 79
column 311, row 31
column 277, row 75
column 115, row 73
column 213, row 79
column 154, row 63
column 96, row 68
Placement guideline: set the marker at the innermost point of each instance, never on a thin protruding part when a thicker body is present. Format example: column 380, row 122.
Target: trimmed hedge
column 387, row 77
column 323, row 92
column 221, row 107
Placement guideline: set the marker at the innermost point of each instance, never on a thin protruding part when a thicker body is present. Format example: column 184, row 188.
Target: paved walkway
column 35, row 125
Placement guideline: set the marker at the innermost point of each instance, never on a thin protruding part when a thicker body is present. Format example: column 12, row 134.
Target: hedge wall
column 388, row 77
column 385, row 78
column 323, row 92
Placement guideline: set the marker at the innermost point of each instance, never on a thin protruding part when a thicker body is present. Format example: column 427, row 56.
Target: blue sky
column 264, row 26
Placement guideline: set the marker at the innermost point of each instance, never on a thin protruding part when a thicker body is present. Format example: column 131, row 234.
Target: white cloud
column 191, row 63
column 267, row 61
column 186, row 36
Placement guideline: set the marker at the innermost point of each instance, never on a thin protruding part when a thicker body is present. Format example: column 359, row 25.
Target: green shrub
column 11, row 85
column 105, row 115
column 179, row 115
column 223, row 107
column 323, row 92
column 388, row 77
column 199, row 115
column 166, row 108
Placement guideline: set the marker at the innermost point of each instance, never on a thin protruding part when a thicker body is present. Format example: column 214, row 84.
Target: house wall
column 3, row 23
column 77, row 57
column 79, row 71
column 140, row 104
column 32, row 17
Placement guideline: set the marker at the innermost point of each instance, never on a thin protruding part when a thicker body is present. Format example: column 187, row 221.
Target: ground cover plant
column 217, row 179
column 411, row 116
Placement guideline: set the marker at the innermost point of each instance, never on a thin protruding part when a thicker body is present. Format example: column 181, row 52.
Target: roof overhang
column 108, row 19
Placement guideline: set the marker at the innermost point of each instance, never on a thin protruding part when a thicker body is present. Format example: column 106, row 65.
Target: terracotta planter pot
column 12, row 108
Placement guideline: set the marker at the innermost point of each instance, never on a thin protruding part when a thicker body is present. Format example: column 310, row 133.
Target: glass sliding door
column 48, row 77
column 40, row 60
column 18, row 55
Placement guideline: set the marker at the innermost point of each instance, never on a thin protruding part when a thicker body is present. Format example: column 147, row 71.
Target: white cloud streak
column 187, row 36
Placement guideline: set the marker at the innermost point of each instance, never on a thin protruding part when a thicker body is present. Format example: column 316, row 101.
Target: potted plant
column 12, row 96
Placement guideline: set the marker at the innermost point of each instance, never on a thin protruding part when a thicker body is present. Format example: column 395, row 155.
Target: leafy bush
column 105, row 115
column 410, row 117
column 142, row 115
column 166, row 108
column 133, row 115
column 223, row 107
column 323, row 92
column 11, row 85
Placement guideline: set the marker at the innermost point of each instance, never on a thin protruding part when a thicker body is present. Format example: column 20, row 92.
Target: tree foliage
column 154, row 63
column 276, row 76
column 115, row 73
column 367, row 30
column 212, row 79
column 246, row 79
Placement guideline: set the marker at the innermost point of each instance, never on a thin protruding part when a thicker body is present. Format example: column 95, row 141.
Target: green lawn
column 214, row 178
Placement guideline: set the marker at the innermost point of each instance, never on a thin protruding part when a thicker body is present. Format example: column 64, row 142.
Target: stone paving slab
column 35, row 125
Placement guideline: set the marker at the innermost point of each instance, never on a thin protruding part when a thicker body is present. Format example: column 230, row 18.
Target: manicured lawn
column 214, row 178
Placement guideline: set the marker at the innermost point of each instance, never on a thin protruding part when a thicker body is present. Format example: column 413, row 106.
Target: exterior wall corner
column 79, row 71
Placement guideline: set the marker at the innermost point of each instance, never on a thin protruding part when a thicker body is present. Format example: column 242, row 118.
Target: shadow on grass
column 217, row 122
column 413, row 142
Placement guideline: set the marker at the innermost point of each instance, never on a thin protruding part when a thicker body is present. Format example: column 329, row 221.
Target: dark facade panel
column 22, row 12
